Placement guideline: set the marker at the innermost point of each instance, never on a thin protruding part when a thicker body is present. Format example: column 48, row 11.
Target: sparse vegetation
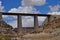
column 5, row 37
column 51, row 32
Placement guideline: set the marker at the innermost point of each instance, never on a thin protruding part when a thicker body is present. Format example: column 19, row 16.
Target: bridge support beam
column 35, row 22
column 19, row 24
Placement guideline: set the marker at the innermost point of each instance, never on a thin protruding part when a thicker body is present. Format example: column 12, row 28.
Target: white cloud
column 54, row 13
column 4, row 16
column 41, row 18
column 54, row 8
column 33, row 2
column 13, row 10
column 0, row 2
column 27, row 21
column 13, row 23
column 26, row 6
column 25, row 9
column 7, row 16
column 1, row 7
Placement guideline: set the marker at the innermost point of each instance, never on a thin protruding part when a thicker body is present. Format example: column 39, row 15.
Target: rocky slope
column 5, row 28
column 5, row 25
column 50, row 31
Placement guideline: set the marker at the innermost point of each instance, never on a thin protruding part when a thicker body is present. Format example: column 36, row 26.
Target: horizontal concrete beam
column 25, row 14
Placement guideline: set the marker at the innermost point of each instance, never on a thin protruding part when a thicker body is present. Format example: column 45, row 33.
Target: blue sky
column 30, row 6
column 8, row 4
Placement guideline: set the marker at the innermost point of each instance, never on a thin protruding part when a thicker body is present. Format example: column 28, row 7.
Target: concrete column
column 0, row 19
column 35, row 22
column 19, row 24
column 48, row 19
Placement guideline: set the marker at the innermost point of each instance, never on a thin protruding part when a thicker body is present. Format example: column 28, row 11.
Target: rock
column 5, row 28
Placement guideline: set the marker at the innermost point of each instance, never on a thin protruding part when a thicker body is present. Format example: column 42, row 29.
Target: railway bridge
column 19, row 20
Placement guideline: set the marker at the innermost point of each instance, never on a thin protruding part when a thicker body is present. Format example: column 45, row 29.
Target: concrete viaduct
column 20, row 20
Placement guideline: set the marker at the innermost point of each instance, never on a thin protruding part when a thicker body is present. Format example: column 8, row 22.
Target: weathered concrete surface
column 19, row 24
column 35, row 22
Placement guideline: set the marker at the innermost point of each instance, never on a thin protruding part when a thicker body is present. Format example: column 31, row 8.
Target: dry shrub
column 39, row 35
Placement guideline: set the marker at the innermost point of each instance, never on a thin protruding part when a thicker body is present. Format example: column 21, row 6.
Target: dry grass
column 42, row 36
column 39, row 35
column 47, row 34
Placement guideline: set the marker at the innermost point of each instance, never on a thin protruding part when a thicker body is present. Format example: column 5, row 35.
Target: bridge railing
column 19, row 20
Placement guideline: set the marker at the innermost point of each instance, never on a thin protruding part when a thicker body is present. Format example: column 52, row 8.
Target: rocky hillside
column 5, row 25
column 5, row 28
column 50, row 31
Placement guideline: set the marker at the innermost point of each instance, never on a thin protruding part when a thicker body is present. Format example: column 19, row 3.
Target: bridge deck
column 25, row 14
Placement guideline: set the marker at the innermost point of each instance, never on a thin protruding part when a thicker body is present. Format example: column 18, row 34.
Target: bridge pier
column 0, row 19
column 19, row 24
column 35, row 22
column 48, row 19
